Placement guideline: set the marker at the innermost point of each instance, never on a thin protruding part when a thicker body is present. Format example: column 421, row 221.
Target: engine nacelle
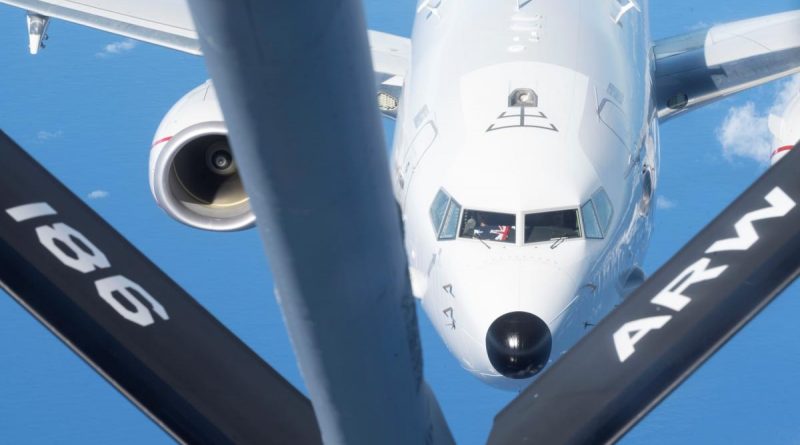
column 785, row 129
column 193, row 175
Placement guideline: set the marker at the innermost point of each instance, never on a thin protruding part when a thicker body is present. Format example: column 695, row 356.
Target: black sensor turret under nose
column 518, row 344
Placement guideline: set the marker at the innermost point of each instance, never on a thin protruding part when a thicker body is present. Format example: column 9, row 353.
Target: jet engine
column 193, row 175
column 785, row 129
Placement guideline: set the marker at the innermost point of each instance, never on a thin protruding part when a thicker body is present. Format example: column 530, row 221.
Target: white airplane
column 785, row 129
column 525, row 155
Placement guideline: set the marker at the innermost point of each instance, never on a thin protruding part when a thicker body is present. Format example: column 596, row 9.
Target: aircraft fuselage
column 524, row 162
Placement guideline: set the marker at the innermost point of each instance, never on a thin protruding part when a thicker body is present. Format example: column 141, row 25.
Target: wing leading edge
column 700, row 67
column 165, row 23
column 168, row 23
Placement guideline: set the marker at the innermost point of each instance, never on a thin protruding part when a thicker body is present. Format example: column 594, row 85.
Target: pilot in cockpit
column 477, row 226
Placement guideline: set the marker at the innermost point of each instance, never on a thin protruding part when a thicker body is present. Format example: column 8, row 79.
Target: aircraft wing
column 165, row 22
column 700, row 67
column 168, row 23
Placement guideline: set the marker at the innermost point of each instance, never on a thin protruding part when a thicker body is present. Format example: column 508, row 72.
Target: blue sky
column 87, row 108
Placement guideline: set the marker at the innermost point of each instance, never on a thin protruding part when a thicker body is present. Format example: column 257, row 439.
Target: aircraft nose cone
column 518, row 344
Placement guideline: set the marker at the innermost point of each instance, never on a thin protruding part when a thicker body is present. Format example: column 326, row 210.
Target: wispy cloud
column 745, row 130
column 745, row 133
column 43, row 135
column 119, row 47
column 98, row 194
column 664, row 203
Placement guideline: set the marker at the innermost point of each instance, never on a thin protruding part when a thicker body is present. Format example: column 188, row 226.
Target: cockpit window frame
column 605, row 225
column 603, row 221
column 581, row 230
column 512, row 234
column 519, row 218
column 445, row 216
column 587, row 209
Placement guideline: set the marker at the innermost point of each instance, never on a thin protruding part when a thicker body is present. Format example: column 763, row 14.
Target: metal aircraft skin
column 524, row 161
column 785, row 129
column 545, row 149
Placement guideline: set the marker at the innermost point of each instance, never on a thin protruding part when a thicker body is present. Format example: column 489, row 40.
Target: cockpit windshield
column 489, row 226
column 548, row 226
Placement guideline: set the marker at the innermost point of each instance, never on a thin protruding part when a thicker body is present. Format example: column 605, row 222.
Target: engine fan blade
column 296, row 87
column 667, row 328
column 134, row 325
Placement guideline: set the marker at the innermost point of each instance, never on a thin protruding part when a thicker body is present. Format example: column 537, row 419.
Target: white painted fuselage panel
column 519, row 111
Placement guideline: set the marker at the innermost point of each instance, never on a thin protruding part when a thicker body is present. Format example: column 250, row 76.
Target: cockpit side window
column 548, row 226
column 438, row 209
column 597, row 213
column 590, row 225
column 489, row 226
column 444, row 215
column 604, row 209
column 450, row 224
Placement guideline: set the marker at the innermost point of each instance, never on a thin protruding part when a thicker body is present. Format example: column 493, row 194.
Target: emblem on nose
column 518, row 344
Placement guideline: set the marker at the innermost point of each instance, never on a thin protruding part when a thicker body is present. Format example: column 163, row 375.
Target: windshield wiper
column 482, row 241
column 558, row 242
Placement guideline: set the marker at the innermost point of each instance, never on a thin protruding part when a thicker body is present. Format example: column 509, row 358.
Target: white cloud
column 117, row 48
column 788, row 89
column 98, row 194
column 43, row 135
column 745, row 131
column 664, row 203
